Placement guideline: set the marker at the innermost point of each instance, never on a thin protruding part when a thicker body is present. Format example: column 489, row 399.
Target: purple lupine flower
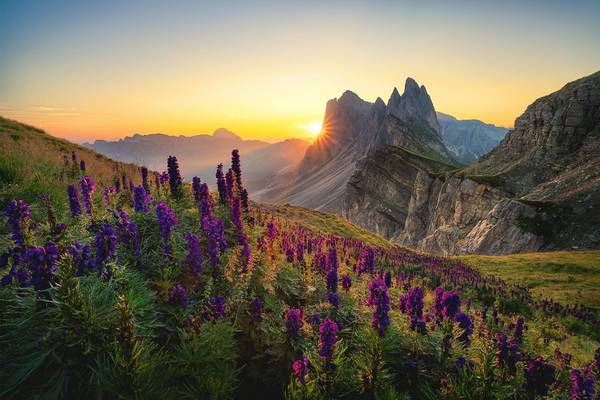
column 82, row 258
column 42, row 264
column 256, row 310
column 235, row 213
column 300, row 368
column 141, row 199
column 73, row 157
column 388, row 279
column 74, row 204
column 196, row 188
column 271, row 231
column 293, row 322
column 519, row 328
column 437, row 303
column 108, row 191
column 178, row 295
column 88, row 187
column 379, row 298
column 205, row 201
column 236, row 168
column 244, row 199
column 582, row 385
column 211, row 227
column 166, row 220
column 328, row 340
column 414, row 306
column 216, row 307
column 82, row 165
column 369, row 260
column 18, row 217
column 175, row 182
column 403, row 302
column 124, row 181
column 314, row 319
column 501, row 349
column 164, row 178
column 346, row 282
column 117, row 185
column 300, row 252
column 332, row 260
column 333, row 298
column 144, row 171
column 450, row 304
column 539, row 375
column 465, row 323
column 106, row 245
column 221, row 186
column 194, row 256
column 128, row 235
column 289, row 254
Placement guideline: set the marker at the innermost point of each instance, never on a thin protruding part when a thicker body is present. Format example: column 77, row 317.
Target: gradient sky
column 85, row 70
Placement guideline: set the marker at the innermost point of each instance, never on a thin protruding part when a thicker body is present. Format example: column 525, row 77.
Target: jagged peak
column 349, row 97
column 394, row 98
column 411, row 86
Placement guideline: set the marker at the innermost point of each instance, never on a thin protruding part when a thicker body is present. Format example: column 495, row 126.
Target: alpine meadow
column 311, row 249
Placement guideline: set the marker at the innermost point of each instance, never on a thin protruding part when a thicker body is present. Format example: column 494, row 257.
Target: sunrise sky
column 85, row 70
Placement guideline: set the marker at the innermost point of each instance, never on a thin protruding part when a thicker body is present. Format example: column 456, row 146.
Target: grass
column 31, row 163
column 568, row 277
column 324, row 222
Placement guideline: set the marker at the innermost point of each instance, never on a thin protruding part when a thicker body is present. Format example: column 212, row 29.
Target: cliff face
column 353, row 129
column 539, row 189
column 378, row 194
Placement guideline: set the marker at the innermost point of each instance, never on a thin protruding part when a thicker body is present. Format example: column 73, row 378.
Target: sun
column 313, row 128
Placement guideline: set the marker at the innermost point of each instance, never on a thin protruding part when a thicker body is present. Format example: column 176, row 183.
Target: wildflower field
column 149, row 287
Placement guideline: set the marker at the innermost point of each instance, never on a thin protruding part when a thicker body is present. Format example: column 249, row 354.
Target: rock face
column 469, row 139
column 539, row 189
column 353, row 129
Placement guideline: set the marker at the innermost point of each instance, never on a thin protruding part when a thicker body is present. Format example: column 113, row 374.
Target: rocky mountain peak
column 411, row 86
column 414, row 106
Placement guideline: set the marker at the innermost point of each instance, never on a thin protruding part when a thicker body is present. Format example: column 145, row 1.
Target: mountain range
column 199, row 155
column 422, row 178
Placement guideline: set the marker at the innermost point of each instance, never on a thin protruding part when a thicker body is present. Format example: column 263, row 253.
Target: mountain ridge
column 539, row 189
column 352, row 129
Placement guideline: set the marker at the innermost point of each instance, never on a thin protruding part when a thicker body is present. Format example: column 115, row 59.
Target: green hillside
column 32, row 162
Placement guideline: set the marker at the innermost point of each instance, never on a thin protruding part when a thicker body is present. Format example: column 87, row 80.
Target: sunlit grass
column 568, row 277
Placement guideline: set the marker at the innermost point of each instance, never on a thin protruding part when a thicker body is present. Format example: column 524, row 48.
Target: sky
column 87, row 70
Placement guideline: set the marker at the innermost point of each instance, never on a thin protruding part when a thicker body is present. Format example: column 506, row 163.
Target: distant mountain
column 352, row 129
column 199, row 155
column 469, row 139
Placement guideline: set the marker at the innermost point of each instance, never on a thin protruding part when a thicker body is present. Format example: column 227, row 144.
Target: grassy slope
column 325, row 222
column 566, row 276
column 31, row 162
